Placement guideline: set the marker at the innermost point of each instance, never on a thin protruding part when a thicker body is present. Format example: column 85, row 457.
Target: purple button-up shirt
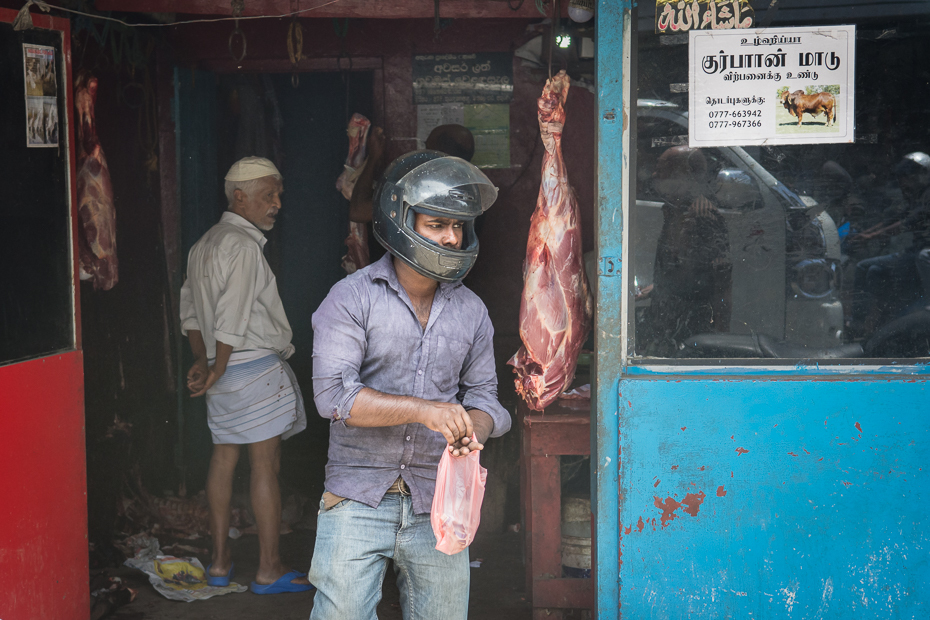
column 366, row 334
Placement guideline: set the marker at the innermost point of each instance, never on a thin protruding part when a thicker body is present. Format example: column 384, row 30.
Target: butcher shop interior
column 174, row 106
column 788, row 260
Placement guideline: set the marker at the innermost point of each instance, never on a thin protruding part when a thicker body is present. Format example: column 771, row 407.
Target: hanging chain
column 295, row 47
column 341, row 32
column 237, row 6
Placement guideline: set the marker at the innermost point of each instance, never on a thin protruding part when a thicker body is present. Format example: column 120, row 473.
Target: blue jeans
column 353, row 545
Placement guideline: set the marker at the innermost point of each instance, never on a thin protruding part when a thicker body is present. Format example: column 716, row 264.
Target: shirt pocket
column 447, row 368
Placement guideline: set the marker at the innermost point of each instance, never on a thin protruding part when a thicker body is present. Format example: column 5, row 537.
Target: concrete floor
column 497, row 587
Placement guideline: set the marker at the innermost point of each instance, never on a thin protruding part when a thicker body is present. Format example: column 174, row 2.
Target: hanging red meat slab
column 556, row 307
column 357, row 241
column 97, row 239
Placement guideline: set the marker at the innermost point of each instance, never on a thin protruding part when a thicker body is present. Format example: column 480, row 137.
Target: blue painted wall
column 778, row 498
column 612, row 124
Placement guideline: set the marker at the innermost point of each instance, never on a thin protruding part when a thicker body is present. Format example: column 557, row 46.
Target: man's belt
column 399, row 486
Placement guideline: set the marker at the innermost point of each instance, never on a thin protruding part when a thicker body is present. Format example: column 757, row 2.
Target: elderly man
column 240, row 337
column 403, row 367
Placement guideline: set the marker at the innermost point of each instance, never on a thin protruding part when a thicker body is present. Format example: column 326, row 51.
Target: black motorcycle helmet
column 431, row 183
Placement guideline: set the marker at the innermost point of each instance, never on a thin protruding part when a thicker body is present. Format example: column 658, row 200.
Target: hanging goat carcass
column 357, row 241
column 97, row 239
column 555, row 311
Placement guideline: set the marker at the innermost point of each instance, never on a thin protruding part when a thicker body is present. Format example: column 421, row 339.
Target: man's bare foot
column 221, row 564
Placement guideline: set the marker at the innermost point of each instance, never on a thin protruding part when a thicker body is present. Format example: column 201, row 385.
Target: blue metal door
column 746, row 474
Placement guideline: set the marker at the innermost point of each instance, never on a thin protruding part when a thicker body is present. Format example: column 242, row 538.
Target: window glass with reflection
column 786, row 252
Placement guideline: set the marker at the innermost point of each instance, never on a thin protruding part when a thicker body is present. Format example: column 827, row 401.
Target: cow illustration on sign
column 814, row 101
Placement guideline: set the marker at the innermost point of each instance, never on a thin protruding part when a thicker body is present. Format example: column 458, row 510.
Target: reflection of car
column 784, row 250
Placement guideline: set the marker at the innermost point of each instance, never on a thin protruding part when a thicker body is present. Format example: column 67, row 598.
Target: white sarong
column 257, row 398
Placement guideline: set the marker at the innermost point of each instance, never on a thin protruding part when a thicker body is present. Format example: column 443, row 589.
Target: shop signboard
column 772, row 86
column 679, row 16
column 463, row 78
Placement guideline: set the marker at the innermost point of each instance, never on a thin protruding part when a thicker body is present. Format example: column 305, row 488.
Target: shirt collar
column 240, row 222
column 384, row 270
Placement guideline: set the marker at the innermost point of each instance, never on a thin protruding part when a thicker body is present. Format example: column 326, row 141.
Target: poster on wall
column 679, row 16
column 772, row 86
column 430, row 116
column 489, row 123
column 41, row 96
column 473, row 90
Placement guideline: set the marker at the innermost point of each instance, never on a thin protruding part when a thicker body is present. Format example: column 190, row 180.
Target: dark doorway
column 222, row 118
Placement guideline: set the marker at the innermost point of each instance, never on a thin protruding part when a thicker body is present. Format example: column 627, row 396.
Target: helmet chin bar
column 432, row 261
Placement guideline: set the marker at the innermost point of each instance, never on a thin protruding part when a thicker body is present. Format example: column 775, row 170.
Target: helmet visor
column 448, row 186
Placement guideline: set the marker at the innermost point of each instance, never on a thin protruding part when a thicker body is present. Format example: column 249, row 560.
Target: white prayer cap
column 249, row 168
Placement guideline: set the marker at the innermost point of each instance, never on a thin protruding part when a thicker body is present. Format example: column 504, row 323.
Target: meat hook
column 237, row 7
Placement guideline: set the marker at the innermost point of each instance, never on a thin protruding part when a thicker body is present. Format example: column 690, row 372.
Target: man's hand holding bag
column 456, row 510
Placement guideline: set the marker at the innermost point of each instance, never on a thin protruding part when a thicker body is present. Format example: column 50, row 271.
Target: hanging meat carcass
column 97, row 241
column 556, row 308
column 357, row 241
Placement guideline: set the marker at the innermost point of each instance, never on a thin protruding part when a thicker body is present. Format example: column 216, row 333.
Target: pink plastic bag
column 457, row 501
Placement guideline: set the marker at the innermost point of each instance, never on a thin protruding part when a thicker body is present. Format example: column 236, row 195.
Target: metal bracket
column 608, row 266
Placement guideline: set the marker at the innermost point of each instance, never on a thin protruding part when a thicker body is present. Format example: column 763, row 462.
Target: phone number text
column 733, row 124
column 734, row 114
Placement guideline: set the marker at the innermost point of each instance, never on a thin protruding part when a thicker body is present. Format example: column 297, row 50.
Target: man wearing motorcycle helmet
column 403, row 366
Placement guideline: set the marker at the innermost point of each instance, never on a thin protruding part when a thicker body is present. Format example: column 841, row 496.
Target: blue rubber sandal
column 221, row 581
column 283, row 584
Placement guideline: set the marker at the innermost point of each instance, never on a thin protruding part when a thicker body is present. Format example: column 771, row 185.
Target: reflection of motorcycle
column 907, row 336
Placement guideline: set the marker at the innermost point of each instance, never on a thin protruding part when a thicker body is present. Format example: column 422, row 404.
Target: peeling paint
column 668, row 508
column 693, row 502
column 721, row 492
column 790, row 596
column 741, row 451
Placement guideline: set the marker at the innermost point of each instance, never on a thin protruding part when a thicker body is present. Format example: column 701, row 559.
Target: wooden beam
column 563, row 593
column 375, row 9
column 283, row 65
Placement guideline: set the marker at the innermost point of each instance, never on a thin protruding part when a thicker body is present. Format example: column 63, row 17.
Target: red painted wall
column 43, row 504
column 43, row 499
